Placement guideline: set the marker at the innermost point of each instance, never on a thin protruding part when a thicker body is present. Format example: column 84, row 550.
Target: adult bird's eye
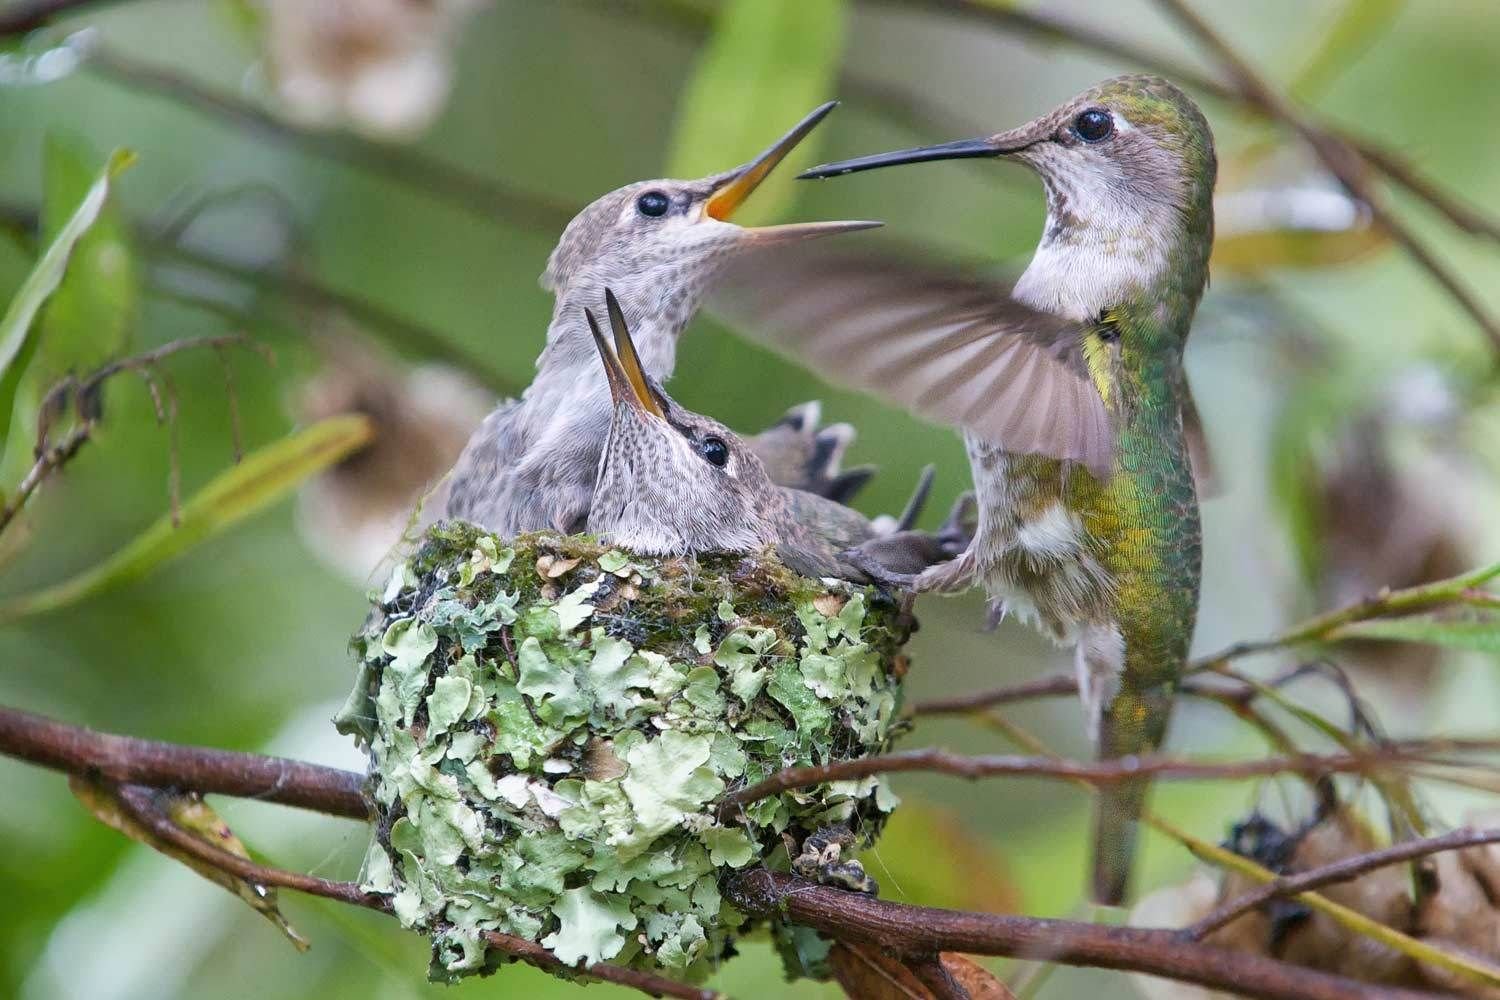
column 1094, row 125
column 714, row 450
column 653, row 203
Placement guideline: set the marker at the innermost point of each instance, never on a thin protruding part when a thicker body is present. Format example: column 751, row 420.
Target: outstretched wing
column 949, row 347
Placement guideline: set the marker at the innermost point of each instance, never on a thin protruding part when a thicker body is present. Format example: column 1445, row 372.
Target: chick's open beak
column 740, row 184
column 622, row 366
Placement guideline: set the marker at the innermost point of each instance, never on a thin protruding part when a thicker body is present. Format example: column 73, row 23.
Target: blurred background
column 370, row 188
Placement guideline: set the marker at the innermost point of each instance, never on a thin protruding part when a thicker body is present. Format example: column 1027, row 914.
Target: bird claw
column 884, row 578
column 804, row 456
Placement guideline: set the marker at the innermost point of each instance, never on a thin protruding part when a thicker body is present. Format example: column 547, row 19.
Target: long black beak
column 1000, row 144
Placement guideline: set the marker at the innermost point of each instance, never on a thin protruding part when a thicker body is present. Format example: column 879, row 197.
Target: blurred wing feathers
column 949, row 347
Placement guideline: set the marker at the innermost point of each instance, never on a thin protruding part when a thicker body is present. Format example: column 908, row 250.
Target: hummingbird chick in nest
column 531, row 464
column 674, row 482
column 1069, row 390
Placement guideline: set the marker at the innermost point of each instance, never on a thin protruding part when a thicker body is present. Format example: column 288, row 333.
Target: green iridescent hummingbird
column 1070, row 392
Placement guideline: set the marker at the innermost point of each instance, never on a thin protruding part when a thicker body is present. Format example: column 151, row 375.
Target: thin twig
column 919, row 930
column 1037, row 24
column 139, row 803
column 1343, row 870
column 1338, row 156
column 1097, row 773
column 455, row 185
column 51, row 457
column 1387, row 602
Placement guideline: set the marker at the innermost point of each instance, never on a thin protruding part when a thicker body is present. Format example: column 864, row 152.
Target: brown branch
column 1343, row 870
column 920, row 931
column 127, row 760
column 914, row 933
column 1338, row 156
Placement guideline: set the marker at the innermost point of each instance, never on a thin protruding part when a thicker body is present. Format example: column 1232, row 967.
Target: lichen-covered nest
column 551, row 722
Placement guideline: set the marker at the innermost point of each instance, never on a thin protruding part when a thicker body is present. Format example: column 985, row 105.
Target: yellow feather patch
column 1096, row 356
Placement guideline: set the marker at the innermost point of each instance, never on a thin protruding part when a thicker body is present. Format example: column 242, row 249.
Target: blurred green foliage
column 241, row 643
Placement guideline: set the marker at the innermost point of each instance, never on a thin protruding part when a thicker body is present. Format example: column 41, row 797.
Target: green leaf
column 91, row 315
column 1480, row 635
column 264, row 477
column 16, row 341
column 1358, row 26
column 766, row 64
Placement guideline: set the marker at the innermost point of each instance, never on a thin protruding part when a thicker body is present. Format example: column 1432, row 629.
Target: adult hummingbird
column 674, row 482
column 1070, row 392
column 531, row 464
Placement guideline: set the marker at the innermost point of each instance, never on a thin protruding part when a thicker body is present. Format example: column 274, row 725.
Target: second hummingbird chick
column 674, row 482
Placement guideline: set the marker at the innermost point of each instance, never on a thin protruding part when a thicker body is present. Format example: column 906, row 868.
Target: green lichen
column 551, row 723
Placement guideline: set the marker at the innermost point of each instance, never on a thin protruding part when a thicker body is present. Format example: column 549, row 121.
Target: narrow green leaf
column 1359, row 24
column 91, row 315
column 264, row 477
column 19, row 320
column 766, row 64
column 1480, row 635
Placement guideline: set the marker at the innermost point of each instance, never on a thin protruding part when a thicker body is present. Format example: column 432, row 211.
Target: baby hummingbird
column 674, row 482
column 1070, row 392
column 531, row 463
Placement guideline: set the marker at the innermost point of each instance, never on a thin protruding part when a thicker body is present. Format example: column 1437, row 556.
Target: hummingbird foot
column 872, row 560
column 822, row 859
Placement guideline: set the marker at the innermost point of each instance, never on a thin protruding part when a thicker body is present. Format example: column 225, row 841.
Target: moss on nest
column 551, row 721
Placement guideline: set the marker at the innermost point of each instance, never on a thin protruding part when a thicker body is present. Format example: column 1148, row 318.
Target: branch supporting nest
column 914, row 934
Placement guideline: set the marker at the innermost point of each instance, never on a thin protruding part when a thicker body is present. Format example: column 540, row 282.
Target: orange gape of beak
column 723, row 202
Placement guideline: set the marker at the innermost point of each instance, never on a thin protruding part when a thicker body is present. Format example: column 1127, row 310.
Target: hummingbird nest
column 551, row 723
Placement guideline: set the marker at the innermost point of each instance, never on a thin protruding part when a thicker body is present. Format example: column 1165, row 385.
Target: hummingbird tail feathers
column 1125, row 720
column 1116, row 819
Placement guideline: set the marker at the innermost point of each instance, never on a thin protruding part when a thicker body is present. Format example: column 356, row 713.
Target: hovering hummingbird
column 531, row 464
column 1070, row 392
column 674, row 482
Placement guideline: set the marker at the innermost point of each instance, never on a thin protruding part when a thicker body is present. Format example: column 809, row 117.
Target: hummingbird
column 1070, row 392
column 674, row 482
column 531, row 463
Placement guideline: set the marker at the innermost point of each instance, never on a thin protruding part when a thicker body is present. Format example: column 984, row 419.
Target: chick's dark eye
column 714, row 450
column 653, row 203
column 1094, row 125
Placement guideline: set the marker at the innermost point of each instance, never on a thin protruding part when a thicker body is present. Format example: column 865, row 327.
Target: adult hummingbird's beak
column 735, row 187
column 627, row 382
column 1000, row 144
